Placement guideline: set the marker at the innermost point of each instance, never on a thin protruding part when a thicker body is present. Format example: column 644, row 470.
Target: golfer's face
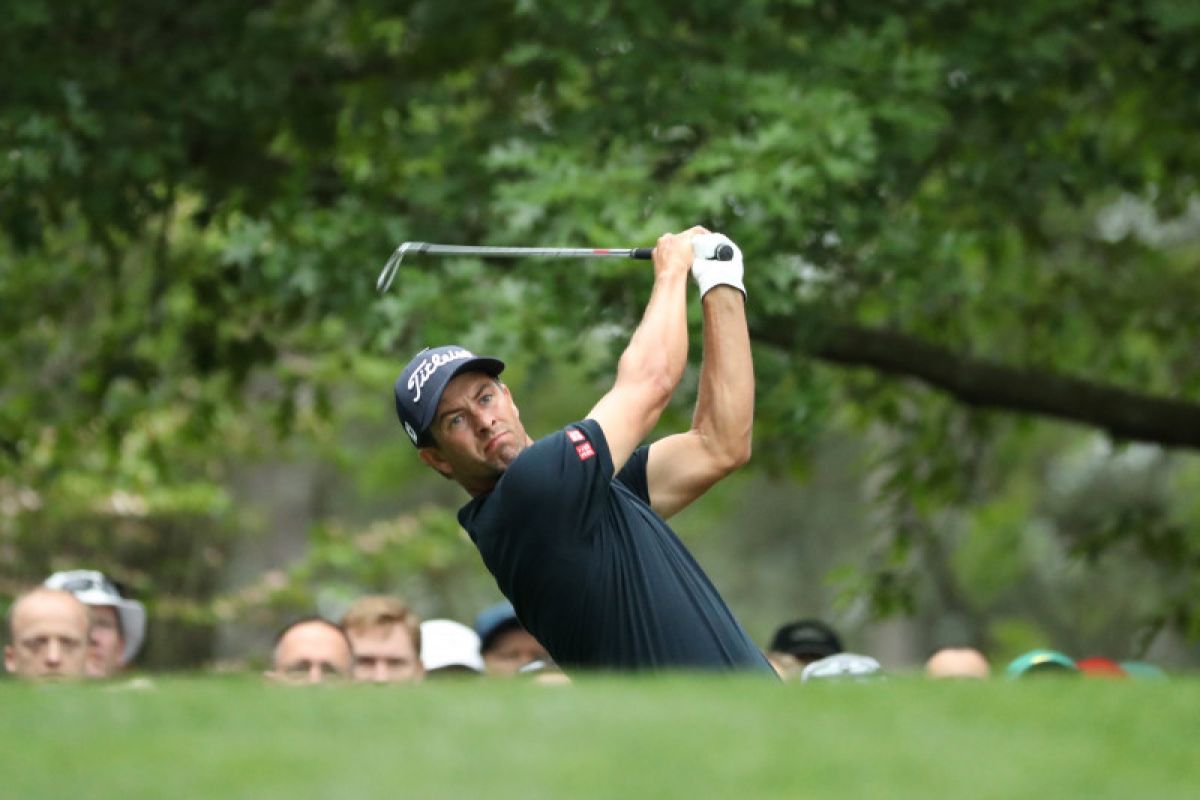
column 477, row 428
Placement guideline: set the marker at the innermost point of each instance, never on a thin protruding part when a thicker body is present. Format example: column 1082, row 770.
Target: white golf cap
column 92, row 588
column 843, row 666
column 446, row 644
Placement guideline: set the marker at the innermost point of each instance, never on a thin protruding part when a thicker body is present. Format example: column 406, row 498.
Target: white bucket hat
column 446, row 643
column 92, row 588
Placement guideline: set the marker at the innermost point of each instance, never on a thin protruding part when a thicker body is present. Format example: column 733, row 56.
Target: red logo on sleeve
column 574, row 435
column 585, row 451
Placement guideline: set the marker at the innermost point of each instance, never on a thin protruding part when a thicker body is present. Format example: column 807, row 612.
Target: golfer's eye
column 485, row 399
column 455, row 421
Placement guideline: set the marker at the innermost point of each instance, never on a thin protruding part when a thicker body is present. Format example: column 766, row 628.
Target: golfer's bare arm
column 682, row 467
column 653, row 361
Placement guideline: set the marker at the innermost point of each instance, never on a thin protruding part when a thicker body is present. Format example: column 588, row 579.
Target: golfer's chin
column 505, row 454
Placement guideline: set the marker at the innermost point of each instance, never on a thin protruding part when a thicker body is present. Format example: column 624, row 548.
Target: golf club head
column 388, row 274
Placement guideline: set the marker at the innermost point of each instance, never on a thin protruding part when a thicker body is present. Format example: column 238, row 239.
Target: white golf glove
column 709, row 272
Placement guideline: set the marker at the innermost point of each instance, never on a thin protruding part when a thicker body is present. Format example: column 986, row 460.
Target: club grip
column 724, row 253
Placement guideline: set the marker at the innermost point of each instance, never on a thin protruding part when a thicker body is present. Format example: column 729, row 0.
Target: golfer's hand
column 708, row 271
column 673, row 254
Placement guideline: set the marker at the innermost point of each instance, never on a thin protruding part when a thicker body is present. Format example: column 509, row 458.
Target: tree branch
column 1123, row 413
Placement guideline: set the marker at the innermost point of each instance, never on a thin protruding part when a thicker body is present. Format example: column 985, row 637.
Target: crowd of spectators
column 81, row 624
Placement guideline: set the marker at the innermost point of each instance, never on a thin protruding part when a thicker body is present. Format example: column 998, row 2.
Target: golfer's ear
column 508, row 393
column 434, row 459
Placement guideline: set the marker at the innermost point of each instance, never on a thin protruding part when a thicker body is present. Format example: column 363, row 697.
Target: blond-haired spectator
column 386, row 636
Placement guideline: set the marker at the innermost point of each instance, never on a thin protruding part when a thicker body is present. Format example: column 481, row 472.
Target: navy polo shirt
column 593, row 572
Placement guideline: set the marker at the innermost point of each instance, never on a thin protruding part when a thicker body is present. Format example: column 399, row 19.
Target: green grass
column 604, row 737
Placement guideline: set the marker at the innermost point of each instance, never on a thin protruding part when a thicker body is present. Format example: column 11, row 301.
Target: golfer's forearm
column 724, row 414
column 657, row 351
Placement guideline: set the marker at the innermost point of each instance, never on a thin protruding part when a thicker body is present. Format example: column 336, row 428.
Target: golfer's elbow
column 741, row 456
column 737, row 455
column 730, row 452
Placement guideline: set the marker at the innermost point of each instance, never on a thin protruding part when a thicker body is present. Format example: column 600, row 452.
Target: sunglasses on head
column 91, row 582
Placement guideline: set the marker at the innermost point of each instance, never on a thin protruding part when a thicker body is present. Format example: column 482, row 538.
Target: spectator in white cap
column 118, row 623
column 449, row 648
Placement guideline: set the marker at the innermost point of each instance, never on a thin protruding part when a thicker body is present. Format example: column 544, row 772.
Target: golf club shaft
column 724, row 253
column 524, row 252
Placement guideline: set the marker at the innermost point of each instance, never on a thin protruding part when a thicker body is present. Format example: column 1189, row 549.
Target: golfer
column 572, row 526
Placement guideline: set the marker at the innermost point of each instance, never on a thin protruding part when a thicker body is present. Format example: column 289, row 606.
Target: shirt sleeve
column 633, row 474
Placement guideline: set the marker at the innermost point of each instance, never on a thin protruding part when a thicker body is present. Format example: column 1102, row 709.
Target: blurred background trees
column 972, row 235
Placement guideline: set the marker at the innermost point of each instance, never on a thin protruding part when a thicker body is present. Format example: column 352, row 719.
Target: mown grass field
column 604, row 738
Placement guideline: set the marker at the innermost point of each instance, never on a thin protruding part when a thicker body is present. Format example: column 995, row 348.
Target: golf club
column 723, row 253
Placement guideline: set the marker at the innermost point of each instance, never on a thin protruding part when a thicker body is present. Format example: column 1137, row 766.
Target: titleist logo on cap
column 424, row 371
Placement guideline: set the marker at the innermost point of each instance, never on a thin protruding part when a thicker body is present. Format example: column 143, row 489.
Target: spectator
column 957, row 662
column 1142, row 670
column 1041, row 662
column 118, row 623
column 1100, row 667
column 545, row 673
column 842, row 667
column 449, row 648
column 311, row 650
column 386, row 637
column 503, row 641
column 797, row 644
column 47, row 636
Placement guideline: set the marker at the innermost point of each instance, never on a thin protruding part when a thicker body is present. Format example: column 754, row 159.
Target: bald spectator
column 47, row 636
column 386, row 637
column 118, row 623
column 311, row 650
column 957, row 662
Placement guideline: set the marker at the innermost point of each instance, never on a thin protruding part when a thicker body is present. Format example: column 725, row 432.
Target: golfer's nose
column 484, row 421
